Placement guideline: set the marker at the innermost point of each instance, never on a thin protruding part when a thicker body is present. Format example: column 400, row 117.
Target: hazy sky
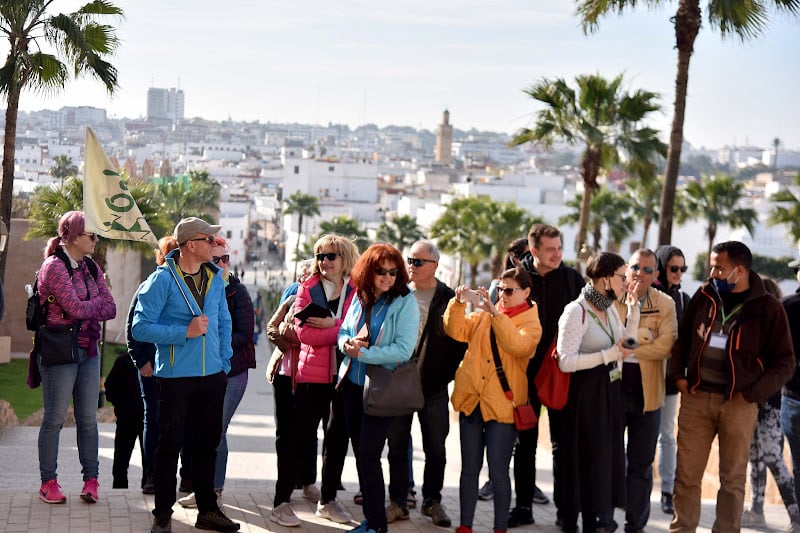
column 404, row 62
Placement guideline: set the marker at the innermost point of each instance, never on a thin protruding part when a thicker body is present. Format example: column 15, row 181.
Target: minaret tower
column 444, row 141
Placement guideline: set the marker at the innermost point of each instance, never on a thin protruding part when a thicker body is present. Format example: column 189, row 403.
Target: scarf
column 600, row 301
column 513, row 311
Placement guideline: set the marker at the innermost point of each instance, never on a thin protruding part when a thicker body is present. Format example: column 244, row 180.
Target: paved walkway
column 249, row 488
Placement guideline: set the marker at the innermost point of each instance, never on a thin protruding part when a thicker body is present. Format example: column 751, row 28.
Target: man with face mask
column 734, row 350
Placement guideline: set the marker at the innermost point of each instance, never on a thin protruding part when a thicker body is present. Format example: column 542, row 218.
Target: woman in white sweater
column 591, row 337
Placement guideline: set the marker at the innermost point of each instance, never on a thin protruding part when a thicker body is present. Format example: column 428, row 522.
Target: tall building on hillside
column 444, row 140
column 164, row 104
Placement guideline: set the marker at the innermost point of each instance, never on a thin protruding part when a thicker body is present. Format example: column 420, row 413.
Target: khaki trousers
column 704, row 415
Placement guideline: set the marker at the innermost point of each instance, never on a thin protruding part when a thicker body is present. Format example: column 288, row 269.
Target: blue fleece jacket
column 163, row 312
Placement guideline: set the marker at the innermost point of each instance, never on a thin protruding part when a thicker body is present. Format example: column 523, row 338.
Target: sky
column 404, row 62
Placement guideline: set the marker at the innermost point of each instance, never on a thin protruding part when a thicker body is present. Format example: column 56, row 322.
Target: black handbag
column 395, row 392
column 58, row 345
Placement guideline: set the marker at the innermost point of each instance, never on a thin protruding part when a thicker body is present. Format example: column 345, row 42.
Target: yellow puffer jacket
column 476, row 378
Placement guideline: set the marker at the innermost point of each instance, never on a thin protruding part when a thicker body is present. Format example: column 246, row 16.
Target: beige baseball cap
column 191, row 226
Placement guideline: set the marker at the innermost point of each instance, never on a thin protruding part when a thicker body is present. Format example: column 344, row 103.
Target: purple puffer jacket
column 72, row 303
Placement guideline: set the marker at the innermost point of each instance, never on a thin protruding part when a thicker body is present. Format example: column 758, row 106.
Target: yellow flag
column 109, row 207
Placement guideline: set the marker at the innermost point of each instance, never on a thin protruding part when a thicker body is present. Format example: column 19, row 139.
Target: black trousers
column 193, row 403
column 129, row 428
column 334, row 449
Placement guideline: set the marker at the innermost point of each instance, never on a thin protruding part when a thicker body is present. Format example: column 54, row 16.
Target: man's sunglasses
column 210, row 239
column 637, row 268
column 330, row 256
column 224, row 258
column 417, row 262
column 509, row 291
column 675, row 268
column 383, row 271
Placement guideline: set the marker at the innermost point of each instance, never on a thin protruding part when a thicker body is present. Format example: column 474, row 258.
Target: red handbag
column 552, row 385
column 525, row 417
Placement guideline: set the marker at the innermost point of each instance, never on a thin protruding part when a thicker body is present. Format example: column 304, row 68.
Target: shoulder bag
column 524, row 415
column 552, row 385
column 395, row 392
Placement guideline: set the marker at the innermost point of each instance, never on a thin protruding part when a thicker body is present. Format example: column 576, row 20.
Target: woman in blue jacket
column 380, row 328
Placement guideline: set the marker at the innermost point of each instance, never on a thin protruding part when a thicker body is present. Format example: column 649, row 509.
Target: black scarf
column 600, row 301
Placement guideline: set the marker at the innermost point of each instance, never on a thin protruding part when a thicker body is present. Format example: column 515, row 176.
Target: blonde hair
column 342, row 246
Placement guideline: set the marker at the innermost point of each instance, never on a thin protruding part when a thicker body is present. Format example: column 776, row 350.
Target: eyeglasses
column 637, row 268
column 623, row 277
column 330, row 256
column 383, row 271
column 675, row 268
column 509, row 291
column 92, row 236
column 224, row 258
column 210, row 239
column 418, row 262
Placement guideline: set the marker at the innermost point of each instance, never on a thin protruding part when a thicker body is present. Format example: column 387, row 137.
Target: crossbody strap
column 498, row 366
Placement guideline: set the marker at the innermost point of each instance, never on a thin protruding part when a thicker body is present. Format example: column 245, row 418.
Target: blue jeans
column 498, row 439
column 667, row 447
column 81, row 383
column 234, row 391
column 790, row 424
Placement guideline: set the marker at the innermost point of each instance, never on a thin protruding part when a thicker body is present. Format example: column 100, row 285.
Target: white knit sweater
column 573, row 326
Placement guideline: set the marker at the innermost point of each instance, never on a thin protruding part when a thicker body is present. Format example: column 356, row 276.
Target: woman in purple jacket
column 77, row 294
column 314, row 378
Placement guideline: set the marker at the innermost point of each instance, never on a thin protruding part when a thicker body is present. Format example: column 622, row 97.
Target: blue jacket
column 397, row 338
column 163, row 312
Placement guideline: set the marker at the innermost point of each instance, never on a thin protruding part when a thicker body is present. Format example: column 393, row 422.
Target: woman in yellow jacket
column 486, row 414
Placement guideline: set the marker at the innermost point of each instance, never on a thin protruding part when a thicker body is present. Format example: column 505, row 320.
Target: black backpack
column 36, row 313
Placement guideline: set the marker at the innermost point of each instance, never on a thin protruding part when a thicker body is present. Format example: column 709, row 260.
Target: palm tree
column 179, row 200
column 346, row 227
column 716, row 200
column 608, row 208
column 81, row 45
column 402, row 231
column 509, row 222
column 645, row 197
column 604, row 119
column 463, row 229
column 745, row 20
column 50, row 202
column 776, row 144
column 63, row 168
column 304, row 205
column 789, row 213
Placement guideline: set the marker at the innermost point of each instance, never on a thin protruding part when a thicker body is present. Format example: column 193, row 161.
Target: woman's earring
column 607, row 287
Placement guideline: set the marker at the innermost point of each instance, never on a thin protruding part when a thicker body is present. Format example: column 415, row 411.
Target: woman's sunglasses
column 383, row 271
column 330, row 256
column 508, row 291
column 675, row 268
column 224, row 258
column 92, row 236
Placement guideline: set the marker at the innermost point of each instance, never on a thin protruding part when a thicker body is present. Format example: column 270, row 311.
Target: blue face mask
column 724, row 286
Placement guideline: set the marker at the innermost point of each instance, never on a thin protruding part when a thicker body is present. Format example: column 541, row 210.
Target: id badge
column 614, row 374
column 718, row 340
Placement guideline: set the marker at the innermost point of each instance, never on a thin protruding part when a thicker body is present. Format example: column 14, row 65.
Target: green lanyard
column 726, row 317
column 610, row 331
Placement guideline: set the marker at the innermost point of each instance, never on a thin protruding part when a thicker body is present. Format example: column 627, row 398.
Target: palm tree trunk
column 712, row 234
column 687, row 26
column 583, row 220
column 646, row 223
column 473, row 274
column 9, row 154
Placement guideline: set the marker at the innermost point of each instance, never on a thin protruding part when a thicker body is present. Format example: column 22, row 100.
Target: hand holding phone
column 471, row 297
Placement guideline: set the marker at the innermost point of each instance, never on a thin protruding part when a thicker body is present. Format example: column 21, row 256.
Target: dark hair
column 522, row 277
column 738, row 253
column 516, row 250
column 772, row 287
column 363, row 274
column 603, row 264
column 542, row 230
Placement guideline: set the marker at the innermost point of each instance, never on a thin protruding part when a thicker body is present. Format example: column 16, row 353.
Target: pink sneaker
column 89, row 492
column 51, row 492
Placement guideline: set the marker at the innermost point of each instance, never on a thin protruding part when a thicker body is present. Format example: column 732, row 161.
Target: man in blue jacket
column 183, row 311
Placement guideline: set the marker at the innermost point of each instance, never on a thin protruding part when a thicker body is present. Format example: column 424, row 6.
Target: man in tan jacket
column 643, row 384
